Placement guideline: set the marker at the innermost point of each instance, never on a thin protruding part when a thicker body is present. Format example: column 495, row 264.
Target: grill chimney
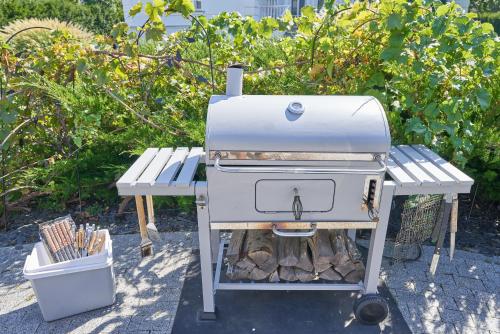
column 234, row 82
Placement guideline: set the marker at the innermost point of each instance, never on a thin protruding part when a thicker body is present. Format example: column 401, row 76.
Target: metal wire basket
column 418, row 219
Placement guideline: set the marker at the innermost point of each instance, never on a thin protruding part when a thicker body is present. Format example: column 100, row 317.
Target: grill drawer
column 273, row 196
column 260, row 197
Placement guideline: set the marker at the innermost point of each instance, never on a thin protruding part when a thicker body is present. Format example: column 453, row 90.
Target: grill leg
column 377, row 240
column 205, row 250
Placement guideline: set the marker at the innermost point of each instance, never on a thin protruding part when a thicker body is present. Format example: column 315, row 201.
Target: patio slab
column 461, row 298
column 148, row 290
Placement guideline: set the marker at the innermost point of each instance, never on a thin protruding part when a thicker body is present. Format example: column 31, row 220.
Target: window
column 297, row 6
column 197, row 4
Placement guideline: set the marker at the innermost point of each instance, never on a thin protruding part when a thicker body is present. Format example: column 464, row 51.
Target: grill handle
column 293, row 234
column 293, row 170
column 297, row 205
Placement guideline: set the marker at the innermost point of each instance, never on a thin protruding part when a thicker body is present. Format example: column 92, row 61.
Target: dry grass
column 36, row 30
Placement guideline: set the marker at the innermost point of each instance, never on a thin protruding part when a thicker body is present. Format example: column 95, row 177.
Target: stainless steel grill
column 264, row 152
column 293, row 165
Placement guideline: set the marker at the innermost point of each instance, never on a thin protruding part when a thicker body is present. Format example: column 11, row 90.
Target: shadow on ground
column 147, row 294
column 461, row 298
column 275, row 312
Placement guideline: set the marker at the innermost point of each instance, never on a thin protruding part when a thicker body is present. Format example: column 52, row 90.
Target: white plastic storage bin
column 71, row 287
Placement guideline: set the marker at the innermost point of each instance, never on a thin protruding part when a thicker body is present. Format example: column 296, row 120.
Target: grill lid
column 270, row 123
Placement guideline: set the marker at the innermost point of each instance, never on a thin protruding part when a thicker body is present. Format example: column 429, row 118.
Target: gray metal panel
column 278, row 195
column 353, row 124
column 232, row 197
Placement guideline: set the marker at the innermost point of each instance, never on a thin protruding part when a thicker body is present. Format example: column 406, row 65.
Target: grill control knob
column 296, row 107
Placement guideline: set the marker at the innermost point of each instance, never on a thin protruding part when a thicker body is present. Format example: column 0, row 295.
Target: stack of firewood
column 259, row 255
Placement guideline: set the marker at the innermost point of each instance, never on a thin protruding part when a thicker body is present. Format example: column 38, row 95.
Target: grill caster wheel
column 370, row 309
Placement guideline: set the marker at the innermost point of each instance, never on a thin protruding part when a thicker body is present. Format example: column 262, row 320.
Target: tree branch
column 13, row 132
column 137, row 114
column 316, row 34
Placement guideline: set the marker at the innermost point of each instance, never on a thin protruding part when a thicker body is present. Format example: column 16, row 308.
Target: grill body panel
column 237, row 197
column 295, row 158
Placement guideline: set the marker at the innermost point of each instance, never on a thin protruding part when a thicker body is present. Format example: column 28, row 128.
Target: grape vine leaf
column 483, row 97
column 394, row 22
column 136, row 9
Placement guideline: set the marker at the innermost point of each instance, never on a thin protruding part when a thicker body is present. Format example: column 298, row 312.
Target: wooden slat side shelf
column 418, row 170
column 162, row 172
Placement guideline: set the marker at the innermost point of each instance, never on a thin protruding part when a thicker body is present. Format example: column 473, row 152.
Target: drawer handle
column 293, row 234
column 297, row 205
column 294, row 170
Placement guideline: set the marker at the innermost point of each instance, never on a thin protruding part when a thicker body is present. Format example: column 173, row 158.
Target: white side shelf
column 162, row 172
column 418, row 170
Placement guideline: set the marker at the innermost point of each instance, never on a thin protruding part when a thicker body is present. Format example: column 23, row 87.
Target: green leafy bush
column 434, row 68
column 493, row 18
column 96, row 15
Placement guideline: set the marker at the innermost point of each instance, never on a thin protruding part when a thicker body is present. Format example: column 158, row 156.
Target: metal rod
column 291, row 286
column 294, row 234
column 205, row 247
column 377, row 240
column 292, row 225
column 218, row 267
column 294, row 170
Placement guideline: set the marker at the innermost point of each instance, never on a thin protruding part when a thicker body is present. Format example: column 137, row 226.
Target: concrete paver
column 147, row 290
column 461, row 298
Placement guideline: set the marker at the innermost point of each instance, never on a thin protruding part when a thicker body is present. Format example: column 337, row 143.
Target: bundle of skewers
column 65, row 242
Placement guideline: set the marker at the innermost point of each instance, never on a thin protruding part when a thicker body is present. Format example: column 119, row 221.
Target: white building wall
column 209, row 9
column 255, row 8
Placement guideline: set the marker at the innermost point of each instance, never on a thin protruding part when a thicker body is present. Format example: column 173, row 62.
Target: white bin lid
column 38, row 264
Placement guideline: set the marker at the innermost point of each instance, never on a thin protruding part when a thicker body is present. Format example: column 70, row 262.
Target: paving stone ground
column 148, row 290
column 461, row 298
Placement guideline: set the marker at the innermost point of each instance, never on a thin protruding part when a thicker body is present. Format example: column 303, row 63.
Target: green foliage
column 487, row 11
column 493, row 18
column 98, row 16
column 481, row 6
column 434, row 69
